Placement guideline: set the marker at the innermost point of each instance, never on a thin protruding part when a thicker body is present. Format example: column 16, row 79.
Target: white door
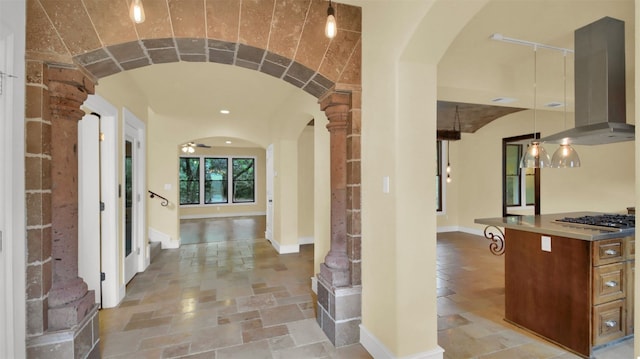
column 12, row 181
column 270, row 172
column 4, row 115
column 89, row 203
column 130, row 193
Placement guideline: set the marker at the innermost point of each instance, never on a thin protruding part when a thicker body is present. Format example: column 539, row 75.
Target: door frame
column 268, row 233
column 113, row 289
column 12, row 182
column 88, row 203
column 138, row 130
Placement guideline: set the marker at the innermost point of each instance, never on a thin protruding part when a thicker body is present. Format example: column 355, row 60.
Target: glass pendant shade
column 331, row 27
column 565, row 157
column 136, row 11
column 535, row 157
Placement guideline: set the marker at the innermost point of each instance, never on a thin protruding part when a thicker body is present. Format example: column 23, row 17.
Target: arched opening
column 103, row 42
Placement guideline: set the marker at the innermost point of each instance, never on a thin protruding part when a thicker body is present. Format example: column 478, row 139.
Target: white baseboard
column 314, row 284
column 380, row 351
column 222, row 215
column 475, row 231
column 292, row 248
column 305, row 240
column 164, row 239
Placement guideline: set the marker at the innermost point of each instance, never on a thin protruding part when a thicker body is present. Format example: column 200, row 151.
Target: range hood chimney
column 600, row 102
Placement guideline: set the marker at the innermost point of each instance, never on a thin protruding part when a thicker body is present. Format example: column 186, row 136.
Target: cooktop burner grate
column 619, row 221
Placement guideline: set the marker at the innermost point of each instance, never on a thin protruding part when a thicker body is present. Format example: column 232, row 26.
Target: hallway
column 230, row 295
column 227, row 295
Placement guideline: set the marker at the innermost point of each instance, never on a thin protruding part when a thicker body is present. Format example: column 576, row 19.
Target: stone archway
column 71, row 44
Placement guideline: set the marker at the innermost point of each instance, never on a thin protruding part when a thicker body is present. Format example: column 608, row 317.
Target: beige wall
column 605, row 181
column 165, row 133
column 305, row 185
column 322, row 192
column 399, row 64
column 259, row 207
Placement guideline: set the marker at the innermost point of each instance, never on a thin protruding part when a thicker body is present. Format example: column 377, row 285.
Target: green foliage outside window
column 243, row 180
column 215, row 180
column 189, row 180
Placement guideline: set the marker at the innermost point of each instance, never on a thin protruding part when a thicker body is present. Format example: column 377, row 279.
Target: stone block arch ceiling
column 282, row 38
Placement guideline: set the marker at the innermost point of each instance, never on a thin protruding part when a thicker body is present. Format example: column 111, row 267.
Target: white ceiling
column 476, row 69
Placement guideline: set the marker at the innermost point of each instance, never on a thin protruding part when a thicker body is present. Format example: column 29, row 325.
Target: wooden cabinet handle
column 611, row 252
column 611, row 283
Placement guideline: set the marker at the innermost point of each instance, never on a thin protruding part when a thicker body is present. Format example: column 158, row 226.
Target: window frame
column 441, row 183
column 522, row 178
column 202, row 181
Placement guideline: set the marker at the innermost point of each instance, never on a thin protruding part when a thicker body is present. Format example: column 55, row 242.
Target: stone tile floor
column 226, row 296
column 230, row 295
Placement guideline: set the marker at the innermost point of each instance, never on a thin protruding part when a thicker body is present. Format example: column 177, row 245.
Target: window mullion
column 230, row 180
column 202, row 180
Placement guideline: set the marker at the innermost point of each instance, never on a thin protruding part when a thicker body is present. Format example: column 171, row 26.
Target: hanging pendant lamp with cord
column 535, row 156
column 565, row 156
column 331, row 28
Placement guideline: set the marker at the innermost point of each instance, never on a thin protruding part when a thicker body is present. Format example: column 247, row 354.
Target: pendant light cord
column 535, row 87
column 564, row 56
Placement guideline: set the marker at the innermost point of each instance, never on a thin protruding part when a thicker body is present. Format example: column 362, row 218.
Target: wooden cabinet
column 578, row 295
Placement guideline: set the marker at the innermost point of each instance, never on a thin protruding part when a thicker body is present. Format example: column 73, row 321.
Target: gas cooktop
column 612, row 221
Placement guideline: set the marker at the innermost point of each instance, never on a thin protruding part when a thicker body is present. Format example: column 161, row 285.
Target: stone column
column 335, row 269
column 339, row 292
column 69, row 299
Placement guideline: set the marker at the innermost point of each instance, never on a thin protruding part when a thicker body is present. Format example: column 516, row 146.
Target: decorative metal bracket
column 164, row 203
column 497, row 240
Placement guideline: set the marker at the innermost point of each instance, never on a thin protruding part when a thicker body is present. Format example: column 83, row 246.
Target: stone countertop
column 544, row 224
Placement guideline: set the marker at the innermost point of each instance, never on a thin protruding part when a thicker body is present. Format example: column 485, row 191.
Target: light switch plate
column 385, row 184
column 546, row 243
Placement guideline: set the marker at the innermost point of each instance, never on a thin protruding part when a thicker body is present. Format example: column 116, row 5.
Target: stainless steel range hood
column 600, row 102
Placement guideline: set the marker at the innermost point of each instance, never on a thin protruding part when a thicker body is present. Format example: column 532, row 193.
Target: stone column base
column 339, row 313
column 71, row 314
column 81, row 341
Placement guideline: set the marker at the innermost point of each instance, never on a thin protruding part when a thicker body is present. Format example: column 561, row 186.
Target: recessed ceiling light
column 227, row 142
column 225, row 112
column 503, row 100
column 554, row 104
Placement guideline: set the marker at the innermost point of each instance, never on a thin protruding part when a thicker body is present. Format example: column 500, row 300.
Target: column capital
column 68, row 89
column 334, row 98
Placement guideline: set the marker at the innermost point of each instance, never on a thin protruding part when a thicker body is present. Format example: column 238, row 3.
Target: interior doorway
column 268, row 233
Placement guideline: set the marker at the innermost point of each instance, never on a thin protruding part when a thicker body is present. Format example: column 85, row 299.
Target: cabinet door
column 609, row 322
column 609, row 283
column 608, row 251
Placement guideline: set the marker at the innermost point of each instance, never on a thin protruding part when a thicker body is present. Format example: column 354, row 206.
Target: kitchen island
column 567, row 282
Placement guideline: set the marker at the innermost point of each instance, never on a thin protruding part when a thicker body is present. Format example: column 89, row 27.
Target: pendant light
column 448, row 164
column 331, row 28
column 535, row 156
column 136, row 11
column 455, row 134
column 565, row 156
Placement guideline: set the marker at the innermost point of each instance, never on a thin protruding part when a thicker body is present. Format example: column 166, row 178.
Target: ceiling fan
column 189, row 147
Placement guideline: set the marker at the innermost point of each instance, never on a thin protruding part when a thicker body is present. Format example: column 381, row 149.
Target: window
column 215, row 180
column 189, row 180
column 521, row 186
column 439, row 177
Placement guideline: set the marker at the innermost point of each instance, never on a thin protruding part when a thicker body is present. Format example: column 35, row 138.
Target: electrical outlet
column 546, row 243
